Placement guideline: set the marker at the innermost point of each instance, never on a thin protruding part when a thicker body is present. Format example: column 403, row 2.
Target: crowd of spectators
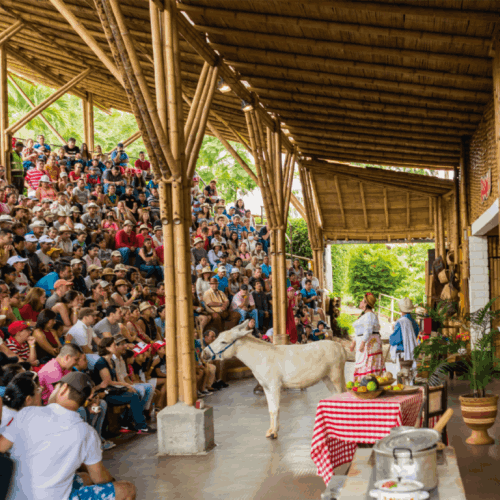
column 82, row 299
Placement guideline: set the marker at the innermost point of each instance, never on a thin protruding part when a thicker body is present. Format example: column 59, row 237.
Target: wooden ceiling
column 354, row 81
column 370, row 204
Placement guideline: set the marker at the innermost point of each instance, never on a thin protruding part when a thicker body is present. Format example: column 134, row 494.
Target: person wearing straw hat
column 198, row 252
column 368, row 344
column 203, row 282
column 404, row 338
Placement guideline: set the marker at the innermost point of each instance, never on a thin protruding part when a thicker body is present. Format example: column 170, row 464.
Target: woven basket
column 390, row 382
column 450, row 258
column 369, row 394
column 444, row 276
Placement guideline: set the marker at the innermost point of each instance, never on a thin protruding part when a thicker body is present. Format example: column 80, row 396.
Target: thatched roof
column 373, row 82
column 372, row 204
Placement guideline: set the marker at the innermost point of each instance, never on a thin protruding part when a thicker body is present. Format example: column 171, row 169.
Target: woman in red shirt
column 32, row 305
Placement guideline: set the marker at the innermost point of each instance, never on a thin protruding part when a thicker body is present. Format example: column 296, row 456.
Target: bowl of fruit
column 402, row 389
column 365, row 388
column 386, row 379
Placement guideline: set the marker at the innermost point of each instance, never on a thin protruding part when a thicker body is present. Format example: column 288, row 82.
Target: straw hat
column 214, row 281
column 144, row 306
column 206, row 270
column 122, row 282
column 107, row 271
column 370, row 299
column 406, row 305
column 197, row 240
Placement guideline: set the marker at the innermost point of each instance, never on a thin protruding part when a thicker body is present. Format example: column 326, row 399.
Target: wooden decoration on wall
column 486, row 185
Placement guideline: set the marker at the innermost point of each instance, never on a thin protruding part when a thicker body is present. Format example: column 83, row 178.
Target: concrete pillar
column 479, row 285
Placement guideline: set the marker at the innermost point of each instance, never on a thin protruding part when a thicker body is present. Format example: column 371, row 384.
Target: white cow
column 277, row 366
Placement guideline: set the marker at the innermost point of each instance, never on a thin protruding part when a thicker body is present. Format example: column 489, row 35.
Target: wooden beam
column 47, row 102
column 5, row 142
column 496, row 101
column 8, row 33
column 77, row 25
column 32, row 106
column 235, row 16
column 386, row 208
column 159, row 4
column 339, row 196
column 430, row 210
column 363, row 203
column 307, row 61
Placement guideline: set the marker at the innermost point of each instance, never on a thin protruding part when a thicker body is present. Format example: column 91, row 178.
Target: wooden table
column 360, row 479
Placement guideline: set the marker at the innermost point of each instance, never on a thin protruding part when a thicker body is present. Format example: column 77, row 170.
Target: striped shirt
column 21, row 350
column 33, row 177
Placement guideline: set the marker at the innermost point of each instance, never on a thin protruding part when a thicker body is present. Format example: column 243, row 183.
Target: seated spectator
column 147, row 323
column 62, row 271
column 82, row 334
column 119, row 157
column 52, row 473
column 309, row 297
column 32, row 305
column 217, row 304
column 109, row 326
column 53, row 371
column 48, row 345
column 118, row 393
column 198, row 252
column 22, row 391
column 244, row 304
column 68, row 308
column 21, row 343
column 263, row 308
column 126, row 242
column 148, row 262
column 266, row 267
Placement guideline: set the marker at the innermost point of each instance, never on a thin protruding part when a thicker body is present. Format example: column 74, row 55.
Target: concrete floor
column 246, row 465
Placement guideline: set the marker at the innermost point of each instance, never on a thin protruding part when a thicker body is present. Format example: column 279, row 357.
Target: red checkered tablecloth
column 343, row 420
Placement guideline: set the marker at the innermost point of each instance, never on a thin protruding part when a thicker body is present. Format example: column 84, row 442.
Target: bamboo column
column 32, row 106
column 464, row 216
column 5, row 136
column 440, row 218
column 89, row 111
column 436, row 227
column 496, row 97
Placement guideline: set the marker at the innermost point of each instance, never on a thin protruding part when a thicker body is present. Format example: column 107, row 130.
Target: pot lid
column 402, row 486
column 412, row 439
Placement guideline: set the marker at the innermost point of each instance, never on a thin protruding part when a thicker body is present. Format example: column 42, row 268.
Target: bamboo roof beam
column 11, row 31
column 386, row 208
column 281, row 74
column 32, row 106
column 315, row 197
column 235, row 16
column 47, row 102
column 76, row 24
column 345, row 49
column 339, row 196
column 363, row 204
column 306, row 61
column 364, row 95
column 381, row 107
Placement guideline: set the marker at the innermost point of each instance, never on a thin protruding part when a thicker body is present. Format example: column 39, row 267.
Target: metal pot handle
column 404, row 449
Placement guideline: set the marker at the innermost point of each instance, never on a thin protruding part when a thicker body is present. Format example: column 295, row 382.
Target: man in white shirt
column 50, row 443
column 46, row 244
column 94, row 275
column 82, row 333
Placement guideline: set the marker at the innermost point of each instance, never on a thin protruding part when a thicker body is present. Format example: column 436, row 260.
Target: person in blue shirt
column 319, row 332
column 235, row 225
column 160, row 320
column 63, row 271
column 266, row 267
column 404, row 338
column 309, row 298
column 41, row 147
column 118, row 156
column 221, row 277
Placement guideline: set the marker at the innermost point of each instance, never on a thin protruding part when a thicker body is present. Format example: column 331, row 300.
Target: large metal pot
column 409, row 454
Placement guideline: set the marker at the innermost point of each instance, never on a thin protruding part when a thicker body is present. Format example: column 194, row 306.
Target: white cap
column 75, row 261
column 39, row 223
column 31, row 238
column 235, row 270
column 36, row 209
column 45, row 178
column 15, row 260
column 5, row 218
column 45, row 239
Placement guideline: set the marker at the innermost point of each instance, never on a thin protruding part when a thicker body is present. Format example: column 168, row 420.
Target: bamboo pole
column 123, row 36
column 12, row 30
column 193, row 156
column 88, row 121
column 75, row 23
column 32, row 106
column 442, row 251
column 159, row 64
column 170, row 299
column 5, row 145
column 129, row 140
column 47, row 102
column 196, row 99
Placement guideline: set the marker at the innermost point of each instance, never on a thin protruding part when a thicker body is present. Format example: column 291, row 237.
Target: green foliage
column 375, row 270
column 346, row 321
column 481, row 365
column 66, row 116
column 297, row 233
column 215, row 162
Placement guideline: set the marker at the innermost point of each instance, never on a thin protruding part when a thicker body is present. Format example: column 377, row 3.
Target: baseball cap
column 45, row 239
column 139, row 349
column 39, row 223
column 15, row 260
column 18, row 326
column 92, row 205
column 31, row 238
column 235, row 270
column 5, row 218
column 128, row 223
column 59, row 283
column 103, row 283
column 80, row 382
column 75, row 261
column 92, row 267
column 45, row 178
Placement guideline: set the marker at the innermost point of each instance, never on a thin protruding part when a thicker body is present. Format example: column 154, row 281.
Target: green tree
column 375, row 270
column 214, row 162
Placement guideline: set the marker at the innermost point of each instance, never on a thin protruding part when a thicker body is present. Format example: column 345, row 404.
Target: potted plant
column 478, row 365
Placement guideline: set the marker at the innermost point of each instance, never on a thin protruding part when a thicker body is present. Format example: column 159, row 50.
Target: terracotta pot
column 479, row 414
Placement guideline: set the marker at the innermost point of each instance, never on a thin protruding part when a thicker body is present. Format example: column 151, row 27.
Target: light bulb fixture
column 222, row 86
column 246, row 106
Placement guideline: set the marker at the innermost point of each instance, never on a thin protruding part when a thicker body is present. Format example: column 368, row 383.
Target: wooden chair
column 436, row 403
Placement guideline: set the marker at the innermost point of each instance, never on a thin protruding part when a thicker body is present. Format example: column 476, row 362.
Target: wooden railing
column 390, row 308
